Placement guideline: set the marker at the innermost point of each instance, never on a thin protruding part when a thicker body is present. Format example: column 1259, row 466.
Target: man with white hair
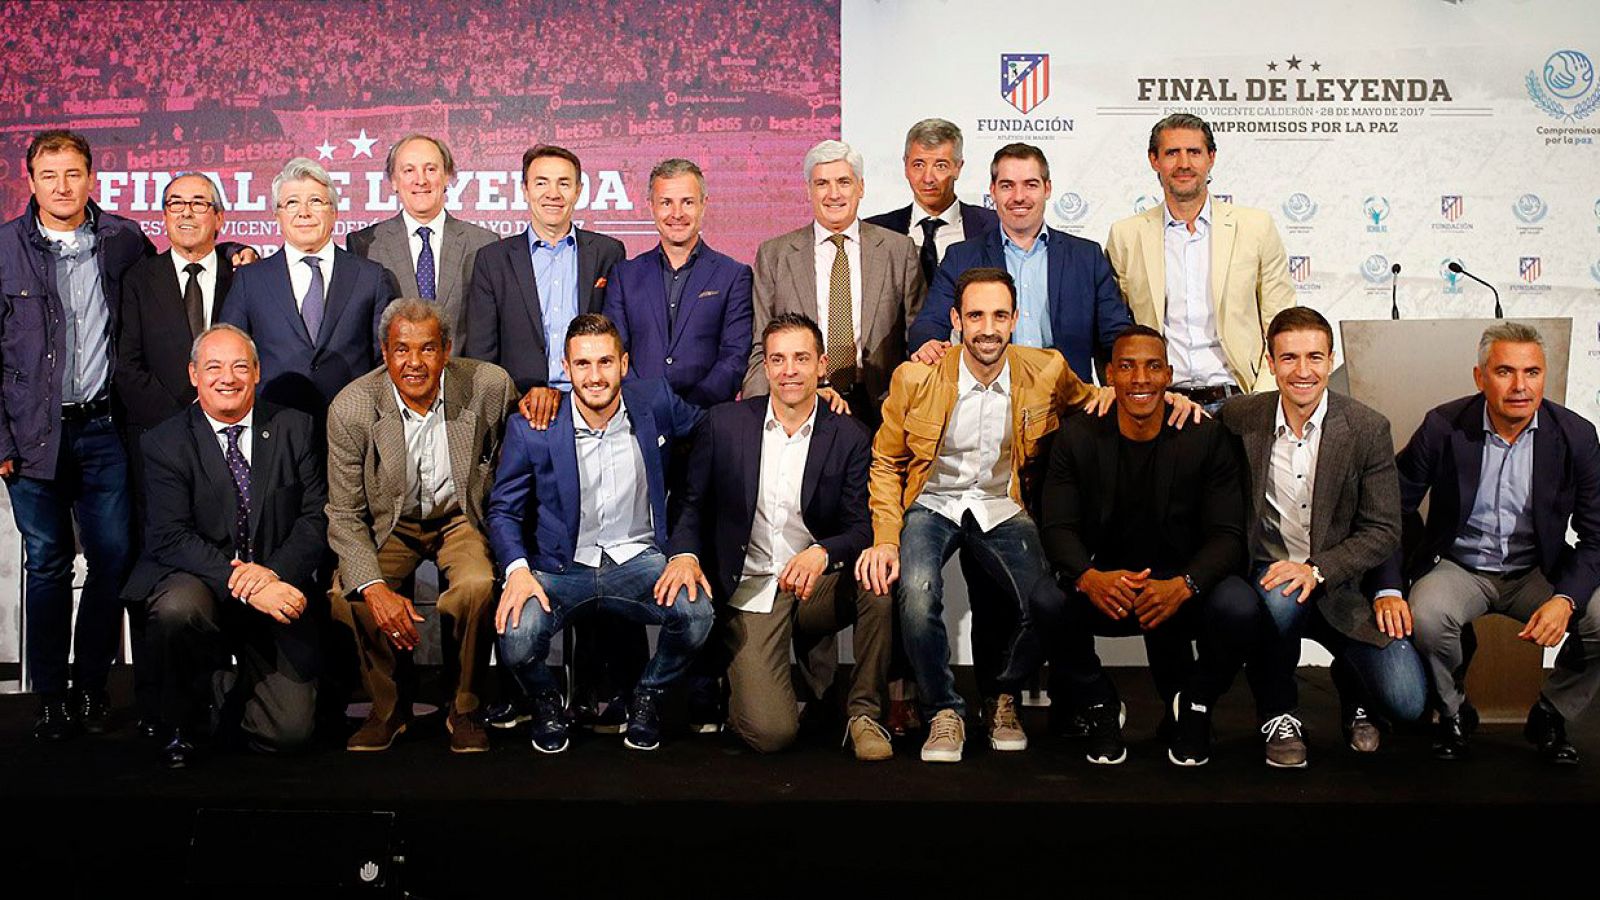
column 312, row 308
column 859, row 282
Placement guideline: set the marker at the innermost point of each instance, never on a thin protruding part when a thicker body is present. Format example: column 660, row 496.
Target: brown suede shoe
column 467, row 734
column 869, row 739
column 375, row 734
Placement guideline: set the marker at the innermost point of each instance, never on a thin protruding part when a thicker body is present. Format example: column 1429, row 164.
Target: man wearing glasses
column 313, row 309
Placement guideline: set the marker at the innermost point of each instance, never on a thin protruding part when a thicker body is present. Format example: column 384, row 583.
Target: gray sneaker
column 1005, row 729
column 1286, row 742
column 947, row 734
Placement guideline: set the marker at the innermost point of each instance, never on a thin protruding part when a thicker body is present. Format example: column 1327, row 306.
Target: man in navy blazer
column 774, row 507
column 1506, row 471
column 1067, row 295
column 682, row 308
column 312, row 308
column 528, row 287
column 935, row 221
column 577, row 519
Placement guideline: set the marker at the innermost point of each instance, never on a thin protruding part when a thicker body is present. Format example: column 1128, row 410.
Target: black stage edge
column 704, row 817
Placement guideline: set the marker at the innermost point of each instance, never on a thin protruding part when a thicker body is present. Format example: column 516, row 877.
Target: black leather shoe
column 1450, row 738
column 55, row 722
column 1547, row 731
column 179, row 753
column 94, row 711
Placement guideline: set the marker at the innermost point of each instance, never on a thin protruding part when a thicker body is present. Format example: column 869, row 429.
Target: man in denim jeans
column 1325, row 510
column 61, row 266
column 577, row 518
column 950, row 467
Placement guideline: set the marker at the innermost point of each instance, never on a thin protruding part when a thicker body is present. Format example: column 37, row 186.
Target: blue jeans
column 1389, row 679
column 1012, row 556
column 91, row 485
column 623, row 590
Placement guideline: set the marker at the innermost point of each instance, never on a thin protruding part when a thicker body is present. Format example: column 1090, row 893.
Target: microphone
column 1394, row 292
column 1456, row 268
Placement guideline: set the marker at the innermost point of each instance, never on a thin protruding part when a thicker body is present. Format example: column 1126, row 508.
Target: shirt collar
column 851, row 233
column 1042, row 238
column 409, row 413
column 805, row 430
column 579, row 424
column 295, row 254
column 208, row 264
column 436, row 224
column 967, row 382
column 951, row 216
column 1204, row 217
column 1313, row 424
column 569, row 240
column 661, row 254
column 217, row 425
column 1489, row 428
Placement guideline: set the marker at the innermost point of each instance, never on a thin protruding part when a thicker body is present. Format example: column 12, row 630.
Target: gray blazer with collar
column 1355, row 503
column 387, row 244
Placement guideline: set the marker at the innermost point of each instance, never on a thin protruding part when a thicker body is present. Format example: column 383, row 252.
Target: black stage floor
column 704, row 817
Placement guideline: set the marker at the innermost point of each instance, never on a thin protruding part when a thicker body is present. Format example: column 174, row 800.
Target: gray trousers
column 762, row 704
column 1451, row 596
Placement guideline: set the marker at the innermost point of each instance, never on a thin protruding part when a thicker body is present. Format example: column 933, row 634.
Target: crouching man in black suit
column 235, row 529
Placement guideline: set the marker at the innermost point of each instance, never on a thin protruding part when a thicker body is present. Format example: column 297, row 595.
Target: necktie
column 311, row 306
column 930, row 249
column 193, row 303
column 240, row 468
column 841, row 320
column 425, row 276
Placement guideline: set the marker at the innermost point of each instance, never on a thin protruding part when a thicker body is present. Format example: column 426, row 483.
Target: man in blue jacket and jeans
column 61, row 268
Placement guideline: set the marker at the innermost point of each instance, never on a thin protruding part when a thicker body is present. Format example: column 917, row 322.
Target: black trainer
column 1191, row 733
column 507, row 715
column 549, row 730
column 94, row 711
column 55, row 722
column 1105, row 734
column 644, row 720
column 1547, row 731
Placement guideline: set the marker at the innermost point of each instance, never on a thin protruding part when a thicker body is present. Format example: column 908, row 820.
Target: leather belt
column 1215, row 393
column 83, row 412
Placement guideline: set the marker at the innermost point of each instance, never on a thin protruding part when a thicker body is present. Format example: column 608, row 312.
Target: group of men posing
column 538, row 414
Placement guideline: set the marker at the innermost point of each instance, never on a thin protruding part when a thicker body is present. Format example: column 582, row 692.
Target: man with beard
column 578, row 519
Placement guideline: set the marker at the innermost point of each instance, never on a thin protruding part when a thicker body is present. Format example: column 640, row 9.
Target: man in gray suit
column 427, row 252
column 859, row 282
column 411, row 455
column 1325, row 510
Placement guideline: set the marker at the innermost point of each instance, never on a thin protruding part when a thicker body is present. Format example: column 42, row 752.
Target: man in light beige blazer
column 411, row 455
column 1207, row 274
column 839, row 262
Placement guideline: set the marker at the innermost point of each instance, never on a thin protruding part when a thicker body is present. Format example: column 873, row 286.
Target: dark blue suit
column 1086, row 309
column 298, row 371
column 706, row 350
column 534, row 512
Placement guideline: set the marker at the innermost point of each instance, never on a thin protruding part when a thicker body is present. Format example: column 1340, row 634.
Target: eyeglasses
column 198, row 207
column 315, row 205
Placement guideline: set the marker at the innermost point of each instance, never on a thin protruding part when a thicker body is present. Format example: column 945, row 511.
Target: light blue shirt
column 87, row 366
column 555, row 273
column 1030, row 269
column 1498, row 535
column 1194, row 341
column 614, row 505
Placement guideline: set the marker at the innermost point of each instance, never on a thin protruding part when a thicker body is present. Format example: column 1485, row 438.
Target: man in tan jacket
column 951, row 466
column 1206, row 274
column 411, row 455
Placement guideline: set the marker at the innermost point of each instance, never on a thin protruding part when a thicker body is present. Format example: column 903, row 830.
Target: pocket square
column 661, row 440
column 709, row 293
column 600, row 282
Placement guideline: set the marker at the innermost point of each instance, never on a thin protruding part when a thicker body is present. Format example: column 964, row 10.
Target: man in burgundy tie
column 235, row 535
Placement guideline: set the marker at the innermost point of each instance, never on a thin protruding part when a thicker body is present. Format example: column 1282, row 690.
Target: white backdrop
column 1374, row 131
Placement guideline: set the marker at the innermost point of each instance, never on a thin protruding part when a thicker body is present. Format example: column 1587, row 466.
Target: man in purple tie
column 312, row 308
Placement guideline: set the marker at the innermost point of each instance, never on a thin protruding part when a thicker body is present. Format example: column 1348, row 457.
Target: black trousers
column 1227, row 622
column 191, row 635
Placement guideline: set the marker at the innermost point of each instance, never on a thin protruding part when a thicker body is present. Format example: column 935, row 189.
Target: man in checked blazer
column 411, row 454
column 427, row 252
column 1324, row 511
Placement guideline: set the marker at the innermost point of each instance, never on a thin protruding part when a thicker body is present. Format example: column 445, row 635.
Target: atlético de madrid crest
column 1025, row 79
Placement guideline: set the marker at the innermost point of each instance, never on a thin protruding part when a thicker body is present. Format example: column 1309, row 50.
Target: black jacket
column 153, row 346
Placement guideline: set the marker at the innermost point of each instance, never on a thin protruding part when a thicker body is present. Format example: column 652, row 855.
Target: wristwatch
column 1194, row 589
column 1316, row 572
